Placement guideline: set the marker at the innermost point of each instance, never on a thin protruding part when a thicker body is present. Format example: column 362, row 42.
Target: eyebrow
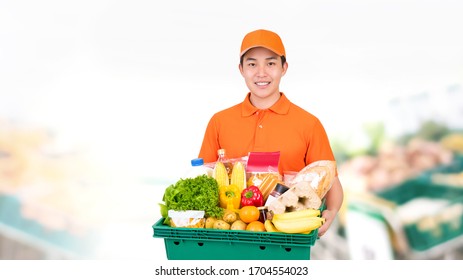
column 268, row 58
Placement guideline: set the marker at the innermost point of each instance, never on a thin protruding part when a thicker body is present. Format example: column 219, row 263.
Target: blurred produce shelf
column 18, row 245
column 419, row 217
column 23, row 238
column 52, row 195
column 332, row 246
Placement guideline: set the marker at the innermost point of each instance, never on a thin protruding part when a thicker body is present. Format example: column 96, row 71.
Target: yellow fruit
column 301, row 221
column 238, row 176
column 298, row 214
column 220, row 174
column 269, row 226
column 238, row 225
column 298, row 225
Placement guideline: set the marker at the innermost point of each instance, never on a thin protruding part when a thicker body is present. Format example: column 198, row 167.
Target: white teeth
column 262, row 83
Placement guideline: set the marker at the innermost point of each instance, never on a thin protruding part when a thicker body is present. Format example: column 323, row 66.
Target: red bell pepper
column 252, row 196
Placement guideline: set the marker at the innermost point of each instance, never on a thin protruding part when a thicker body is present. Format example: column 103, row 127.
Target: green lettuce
column 199, row 193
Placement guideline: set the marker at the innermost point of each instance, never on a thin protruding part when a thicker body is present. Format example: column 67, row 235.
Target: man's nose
column 261, row 70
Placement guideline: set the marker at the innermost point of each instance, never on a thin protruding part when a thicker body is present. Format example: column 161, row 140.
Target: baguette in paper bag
column 320, row 174
column 299, row 197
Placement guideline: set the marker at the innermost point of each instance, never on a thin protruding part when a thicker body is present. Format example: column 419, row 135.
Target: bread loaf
column 299, row 197
column 319, row 175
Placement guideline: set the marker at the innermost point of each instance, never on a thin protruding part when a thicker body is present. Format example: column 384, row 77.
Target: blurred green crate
column 210, row 244
column 416, row 188
column 10, row 215
column 455, row 166
column 430, row 230
column 10, row 208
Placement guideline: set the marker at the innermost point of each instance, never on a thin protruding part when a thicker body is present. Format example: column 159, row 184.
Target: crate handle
column 262, row 247
column 288, row 249
column 200, row 243
column 177, row 242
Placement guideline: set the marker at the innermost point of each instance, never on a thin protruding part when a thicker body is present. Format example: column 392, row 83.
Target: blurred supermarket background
column 104, row 103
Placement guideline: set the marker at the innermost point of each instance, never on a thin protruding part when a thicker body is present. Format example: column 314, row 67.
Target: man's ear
column 240, row 67
column 285, row 67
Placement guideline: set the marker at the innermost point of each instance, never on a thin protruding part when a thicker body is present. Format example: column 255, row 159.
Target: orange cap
column 263, row 38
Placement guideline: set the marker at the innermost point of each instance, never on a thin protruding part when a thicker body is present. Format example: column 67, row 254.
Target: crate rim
column 231, row 236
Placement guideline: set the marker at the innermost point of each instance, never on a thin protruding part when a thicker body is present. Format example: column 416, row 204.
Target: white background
column 135, row 82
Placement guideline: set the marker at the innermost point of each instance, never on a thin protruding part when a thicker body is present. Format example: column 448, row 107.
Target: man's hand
column 329, row 217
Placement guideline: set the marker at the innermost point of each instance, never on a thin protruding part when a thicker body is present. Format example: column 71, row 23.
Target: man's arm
column 334, row 200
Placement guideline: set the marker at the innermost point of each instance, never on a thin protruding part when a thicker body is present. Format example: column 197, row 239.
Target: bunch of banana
column 303, row 221
column 269, row 226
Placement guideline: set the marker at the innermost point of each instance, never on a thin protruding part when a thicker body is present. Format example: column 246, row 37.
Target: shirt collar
column 281, row 107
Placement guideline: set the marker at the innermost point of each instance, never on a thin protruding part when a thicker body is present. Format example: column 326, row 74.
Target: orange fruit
column 249, row 214
column 255, row 226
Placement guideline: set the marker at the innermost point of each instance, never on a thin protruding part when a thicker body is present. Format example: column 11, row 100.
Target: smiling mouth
column 262, row 83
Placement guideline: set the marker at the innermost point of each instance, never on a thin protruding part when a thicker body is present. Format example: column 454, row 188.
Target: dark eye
column 271, row 63
column 251, row 64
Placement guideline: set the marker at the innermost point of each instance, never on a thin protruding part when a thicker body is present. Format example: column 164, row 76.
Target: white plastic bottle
column 197, row 168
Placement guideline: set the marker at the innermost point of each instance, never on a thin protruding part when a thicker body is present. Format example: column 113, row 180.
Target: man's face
column 262, row 72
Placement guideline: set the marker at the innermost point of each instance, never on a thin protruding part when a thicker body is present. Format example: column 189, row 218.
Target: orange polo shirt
column 298, row 135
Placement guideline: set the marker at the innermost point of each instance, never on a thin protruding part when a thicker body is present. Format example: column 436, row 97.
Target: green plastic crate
column 422, row 237
column 10, row 215
column 455, row 166
column 211, row 244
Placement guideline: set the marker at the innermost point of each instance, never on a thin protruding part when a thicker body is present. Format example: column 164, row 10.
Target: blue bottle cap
column 197, row 162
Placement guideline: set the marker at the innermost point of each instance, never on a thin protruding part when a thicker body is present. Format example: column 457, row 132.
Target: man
column 266, row 121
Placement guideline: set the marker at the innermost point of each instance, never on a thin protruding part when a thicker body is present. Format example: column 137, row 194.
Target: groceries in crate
column 238, row 225
column 230, row 216
column 277, row 191
column 230, row 197
column 260, row 165
column 238, row 176
column 268, row 184
column 221, row 224
column 188, row 218
column 220, row 174
column 238, row 219
column 320, row 174
column 251, row 196
column 307, row 189
column 223, row 158
column 249, row 213
column 255, row 226
column 199, row 193
column 300, row 196
column 297, row 210
column 197, row 168
column 303, row 221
